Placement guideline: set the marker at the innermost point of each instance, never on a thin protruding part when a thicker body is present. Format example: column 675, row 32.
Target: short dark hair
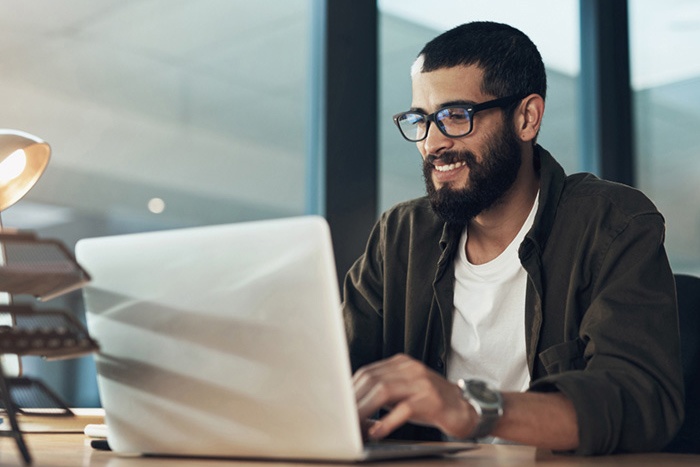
column 511, row 63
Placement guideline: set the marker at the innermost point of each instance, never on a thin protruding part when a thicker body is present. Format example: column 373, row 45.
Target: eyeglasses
column 453, row 121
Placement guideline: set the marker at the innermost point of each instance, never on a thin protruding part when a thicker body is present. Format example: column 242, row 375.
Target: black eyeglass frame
column 471, row 109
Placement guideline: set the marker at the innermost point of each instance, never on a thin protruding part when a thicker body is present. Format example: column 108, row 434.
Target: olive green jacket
column 600, row 316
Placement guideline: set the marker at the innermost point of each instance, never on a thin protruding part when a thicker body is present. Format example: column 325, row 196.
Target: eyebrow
column 443, row 105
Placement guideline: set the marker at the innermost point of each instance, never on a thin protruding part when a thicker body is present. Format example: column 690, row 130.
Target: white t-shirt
column 488, row 331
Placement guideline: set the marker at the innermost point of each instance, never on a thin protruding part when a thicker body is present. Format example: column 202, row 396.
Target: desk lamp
column 23, row 158
column 41, row 268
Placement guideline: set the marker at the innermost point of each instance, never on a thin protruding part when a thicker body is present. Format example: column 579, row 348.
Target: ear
column 528, row 117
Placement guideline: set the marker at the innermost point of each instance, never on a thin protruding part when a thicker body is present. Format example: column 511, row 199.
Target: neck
column 494, row 229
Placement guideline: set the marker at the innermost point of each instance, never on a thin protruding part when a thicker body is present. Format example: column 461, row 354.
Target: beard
column 488, row 180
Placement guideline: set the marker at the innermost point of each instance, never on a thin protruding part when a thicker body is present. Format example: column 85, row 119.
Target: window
column 666, row 85
column 160, row 114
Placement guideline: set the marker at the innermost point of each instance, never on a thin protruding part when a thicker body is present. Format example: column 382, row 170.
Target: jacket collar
column 552, row 181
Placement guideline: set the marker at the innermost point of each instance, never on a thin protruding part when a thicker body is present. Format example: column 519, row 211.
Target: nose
column 435, row 142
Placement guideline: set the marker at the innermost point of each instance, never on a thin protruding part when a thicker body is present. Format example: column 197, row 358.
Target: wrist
column 469, row 420
column 486, row 407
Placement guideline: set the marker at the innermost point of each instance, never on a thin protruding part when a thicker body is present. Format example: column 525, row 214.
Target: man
column 548, row 298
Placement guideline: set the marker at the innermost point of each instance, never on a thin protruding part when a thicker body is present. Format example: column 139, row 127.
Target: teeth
column 448, row 167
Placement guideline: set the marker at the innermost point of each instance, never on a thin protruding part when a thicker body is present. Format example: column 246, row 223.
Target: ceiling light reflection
column 156, row 205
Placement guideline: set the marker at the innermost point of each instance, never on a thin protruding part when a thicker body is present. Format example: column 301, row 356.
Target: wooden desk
column 73, row 449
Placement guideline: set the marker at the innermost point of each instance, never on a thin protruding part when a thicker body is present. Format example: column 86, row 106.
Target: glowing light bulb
column 13, row 166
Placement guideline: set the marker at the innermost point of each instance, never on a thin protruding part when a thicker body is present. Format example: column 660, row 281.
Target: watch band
column 487, row 402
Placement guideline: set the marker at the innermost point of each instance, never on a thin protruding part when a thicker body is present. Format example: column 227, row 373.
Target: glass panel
column 666, row 84
column 160, row 114
column 406, row 25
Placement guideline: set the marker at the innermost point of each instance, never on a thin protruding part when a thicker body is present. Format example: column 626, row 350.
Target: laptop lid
column 223, row 341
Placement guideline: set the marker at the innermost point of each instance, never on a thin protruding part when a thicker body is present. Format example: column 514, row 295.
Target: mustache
column 451, row 157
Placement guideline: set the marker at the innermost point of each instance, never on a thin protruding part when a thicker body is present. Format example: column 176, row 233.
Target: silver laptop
column 226, row 341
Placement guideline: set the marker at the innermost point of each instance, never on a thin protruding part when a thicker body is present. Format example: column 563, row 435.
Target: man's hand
column 411, row 392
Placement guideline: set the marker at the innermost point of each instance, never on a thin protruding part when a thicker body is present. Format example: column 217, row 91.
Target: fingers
column 365, row 426
column 382, row 384
column 397, row 417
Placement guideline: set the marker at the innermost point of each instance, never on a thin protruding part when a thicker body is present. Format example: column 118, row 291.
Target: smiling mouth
column 448, row 167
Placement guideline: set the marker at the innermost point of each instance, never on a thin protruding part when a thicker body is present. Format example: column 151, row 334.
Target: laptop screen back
column 222, row 341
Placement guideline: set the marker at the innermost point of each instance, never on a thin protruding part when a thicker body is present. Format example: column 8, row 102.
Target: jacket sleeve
column 629, row 396
column 363, row 292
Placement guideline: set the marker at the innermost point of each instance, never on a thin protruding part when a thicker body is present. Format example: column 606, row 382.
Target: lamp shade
column 23, row 158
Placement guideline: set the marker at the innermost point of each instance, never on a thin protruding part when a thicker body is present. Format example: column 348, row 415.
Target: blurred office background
column 174, row 113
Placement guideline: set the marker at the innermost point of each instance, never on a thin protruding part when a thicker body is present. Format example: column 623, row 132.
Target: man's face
column 464, row 176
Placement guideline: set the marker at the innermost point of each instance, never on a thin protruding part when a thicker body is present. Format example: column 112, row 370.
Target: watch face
column 487, row 402
column 480, row 391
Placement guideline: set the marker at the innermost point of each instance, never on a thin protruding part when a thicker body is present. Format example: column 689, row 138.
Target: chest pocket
column 564, row 357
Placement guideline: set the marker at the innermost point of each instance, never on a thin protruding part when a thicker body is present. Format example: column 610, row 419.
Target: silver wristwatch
column 487, row 402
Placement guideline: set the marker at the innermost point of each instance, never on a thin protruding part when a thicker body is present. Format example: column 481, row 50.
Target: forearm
column 546, row 420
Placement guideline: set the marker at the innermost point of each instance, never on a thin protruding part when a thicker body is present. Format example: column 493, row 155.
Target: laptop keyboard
column 394, row 449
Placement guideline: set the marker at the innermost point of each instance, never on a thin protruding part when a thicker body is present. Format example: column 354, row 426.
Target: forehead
column 434, row 88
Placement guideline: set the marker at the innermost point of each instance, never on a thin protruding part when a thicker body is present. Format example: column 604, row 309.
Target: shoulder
column 411, row 221
column 412, row 214
column 589, row 195
column 583, row 198
column 414, row 210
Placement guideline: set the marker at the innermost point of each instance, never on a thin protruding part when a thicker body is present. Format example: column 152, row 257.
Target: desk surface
column 73, row 449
